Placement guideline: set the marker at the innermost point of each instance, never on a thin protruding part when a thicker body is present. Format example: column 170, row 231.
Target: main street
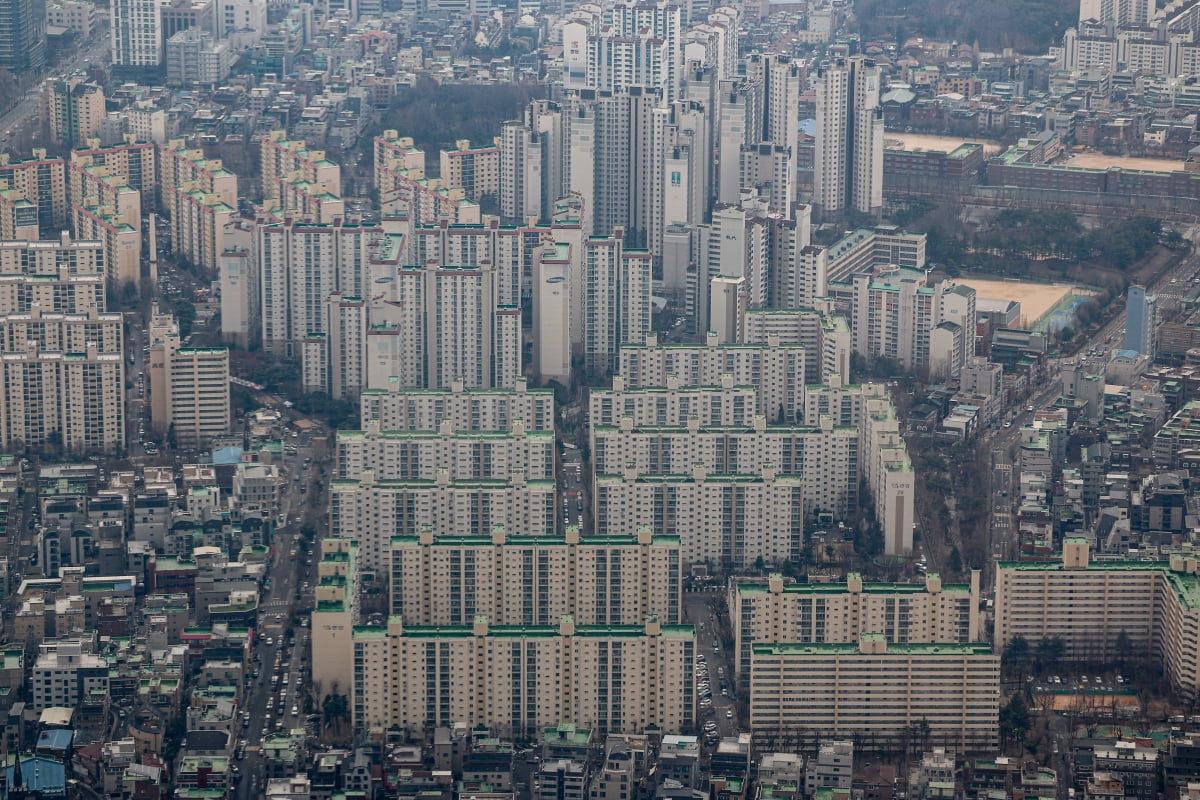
column 274, row 698
column 1002, row 442
column 23, row 117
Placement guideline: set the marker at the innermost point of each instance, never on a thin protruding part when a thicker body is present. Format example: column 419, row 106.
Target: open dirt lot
column 929, row 142
column 1035, row 298
column 1093, row 160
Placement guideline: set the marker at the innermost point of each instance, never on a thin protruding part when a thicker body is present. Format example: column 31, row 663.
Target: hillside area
column 1027, row 26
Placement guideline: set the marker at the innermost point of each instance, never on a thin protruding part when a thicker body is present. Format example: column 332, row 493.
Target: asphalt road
column 22, row 116
column 1002, row 442
column 287, row 595
column 698, row 612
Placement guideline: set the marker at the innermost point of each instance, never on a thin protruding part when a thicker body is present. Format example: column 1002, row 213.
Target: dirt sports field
column 1095, row 160
column 1035, row 298
column 932, row 143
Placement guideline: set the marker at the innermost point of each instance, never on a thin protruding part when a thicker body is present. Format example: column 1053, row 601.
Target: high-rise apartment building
column 720, row 518
column 848, row 156
column 1122, row 12
column 1141, row 320
column 398, row 407
column 621, row 45
column 189, row 386
column 23, row 36
column 299, row 266
column 675, row 403
column 284, row 159
column 779, row 369
column 137, row 35
column 841, row 613
column 60, row 352
column 121, row 239
column 897, row 314
column 1096, row 606
column 417, row 677
column 616, row 291
column 63, row 276
column 375, row 509
column 43, row 182
column 600, row 580
column 874, row 687
column 552, row 287
column 463, row 454
column 74, row 110
column 18, row 216
column 476, row 170
column 449, row 325
column 665, row 449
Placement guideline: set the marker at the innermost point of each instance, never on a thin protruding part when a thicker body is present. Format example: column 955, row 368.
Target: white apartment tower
column 619, row 45
column 452, row 326
column 136, row 33
column 848, row 157
column 617, row 285
column 299, row 265
column 552, row 288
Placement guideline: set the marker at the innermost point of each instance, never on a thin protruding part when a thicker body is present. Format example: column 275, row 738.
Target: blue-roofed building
column 54, row 743
column 37, row 774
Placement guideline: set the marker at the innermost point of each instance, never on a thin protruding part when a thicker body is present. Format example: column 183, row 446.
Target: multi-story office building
column 1141, row 320
column 81, row 18
column 199, row 395
column 299, row 266
column 74, row 110
column 241, row 292
column 66, row 674
column 23, row 36
column 374, row 510
column 43, row 182
column 848, row 157
column 1091, row 605
column 600, row 580
column 62, row 276
column 720, row 518
column 841, row 613
column 874, row 688
column 826, row 456
column 465, row 454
